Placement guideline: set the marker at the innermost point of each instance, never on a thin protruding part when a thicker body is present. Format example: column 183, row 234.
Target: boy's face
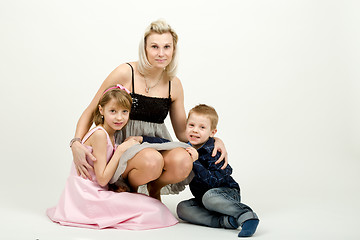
column 198, row 129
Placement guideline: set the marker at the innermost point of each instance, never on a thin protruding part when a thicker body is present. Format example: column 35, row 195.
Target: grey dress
column 147, row 119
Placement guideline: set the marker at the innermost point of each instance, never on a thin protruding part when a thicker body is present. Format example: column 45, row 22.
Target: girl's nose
column 119, row 116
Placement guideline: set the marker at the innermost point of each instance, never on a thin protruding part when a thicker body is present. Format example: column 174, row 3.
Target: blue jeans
column 216, row 204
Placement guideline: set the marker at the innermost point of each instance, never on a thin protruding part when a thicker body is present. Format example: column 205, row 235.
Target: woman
column 155, row 91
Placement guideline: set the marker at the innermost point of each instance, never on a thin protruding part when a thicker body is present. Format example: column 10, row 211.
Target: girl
column 88, row 202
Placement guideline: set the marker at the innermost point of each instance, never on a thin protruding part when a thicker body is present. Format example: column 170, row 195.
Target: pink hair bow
column 117, row 86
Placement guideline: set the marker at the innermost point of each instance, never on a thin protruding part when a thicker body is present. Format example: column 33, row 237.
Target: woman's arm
column 177, row 110
column 220, row 147
column 120, row 75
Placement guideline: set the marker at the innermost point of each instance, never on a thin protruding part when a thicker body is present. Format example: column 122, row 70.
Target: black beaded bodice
column 149, row 109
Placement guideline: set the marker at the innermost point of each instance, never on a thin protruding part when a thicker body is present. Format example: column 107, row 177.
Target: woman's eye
column 154, row 46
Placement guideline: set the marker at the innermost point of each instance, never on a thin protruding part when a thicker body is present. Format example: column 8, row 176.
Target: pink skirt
column 84, row 203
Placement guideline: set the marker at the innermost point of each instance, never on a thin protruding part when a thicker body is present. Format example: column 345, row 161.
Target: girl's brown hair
column 122, row 98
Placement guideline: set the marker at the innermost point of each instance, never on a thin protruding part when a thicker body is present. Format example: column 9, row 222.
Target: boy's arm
column 212, row 175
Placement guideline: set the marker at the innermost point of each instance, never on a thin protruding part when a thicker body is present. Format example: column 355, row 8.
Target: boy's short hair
column 208, row 111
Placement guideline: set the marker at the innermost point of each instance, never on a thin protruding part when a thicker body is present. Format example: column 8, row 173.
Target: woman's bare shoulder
column 120, row 75
column 123, row 69
column 176, row 87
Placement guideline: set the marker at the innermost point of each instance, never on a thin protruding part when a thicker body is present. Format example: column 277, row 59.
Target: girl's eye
column 154, row 46
column 112, row 111
column 125, row 111
column 167, row 46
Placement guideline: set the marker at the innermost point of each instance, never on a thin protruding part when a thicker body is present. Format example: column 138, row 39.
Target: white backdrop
column 283, row 75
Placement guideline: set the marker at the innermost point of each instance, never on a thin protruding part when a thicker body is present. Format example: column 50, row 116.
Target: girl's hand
column 79, row 157
column 128, row 143
column 136, row 138
column 219, row 146
column 193, row 153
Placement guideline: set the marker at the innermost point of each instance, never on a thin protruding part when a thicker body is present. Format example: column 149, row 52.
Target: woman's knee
column 180, row 162
column 151, row 162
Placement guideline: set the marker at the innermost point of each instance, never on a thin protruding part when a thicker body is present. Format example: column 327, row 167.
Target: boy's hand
column 193, row 153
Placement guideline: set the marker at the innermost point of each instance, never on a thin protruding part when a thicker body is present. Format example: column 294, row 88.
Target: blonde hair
column 207, row 111
column 122, row 98
column 160, row 27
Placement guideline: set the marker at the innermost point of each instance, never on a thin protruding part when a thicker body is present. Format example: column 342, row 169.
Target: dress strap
column 169, row 89
column 88, row 134
column 132, row 77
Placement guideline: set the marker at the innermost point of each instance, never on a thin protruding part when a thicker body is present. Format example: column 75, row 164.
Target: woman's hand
column 193, row 153
column 79, row 157
column 220, row 147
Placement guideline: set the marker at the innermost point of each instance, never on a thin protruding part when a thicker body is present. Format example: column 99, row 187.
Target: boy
column 217, row 194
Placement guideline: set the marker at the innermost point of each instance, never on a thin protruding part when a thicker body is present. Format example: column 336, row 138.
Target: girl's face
column 159, row 49
column 115, row 116
column 198, row 129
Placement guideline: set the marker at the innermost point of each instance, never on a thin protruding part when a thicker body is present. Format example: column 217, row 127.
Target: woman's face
column 159, row 49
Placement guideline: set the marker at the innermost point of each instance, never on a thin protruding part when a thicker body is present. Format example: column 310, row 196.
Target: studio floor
column 324, row 217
